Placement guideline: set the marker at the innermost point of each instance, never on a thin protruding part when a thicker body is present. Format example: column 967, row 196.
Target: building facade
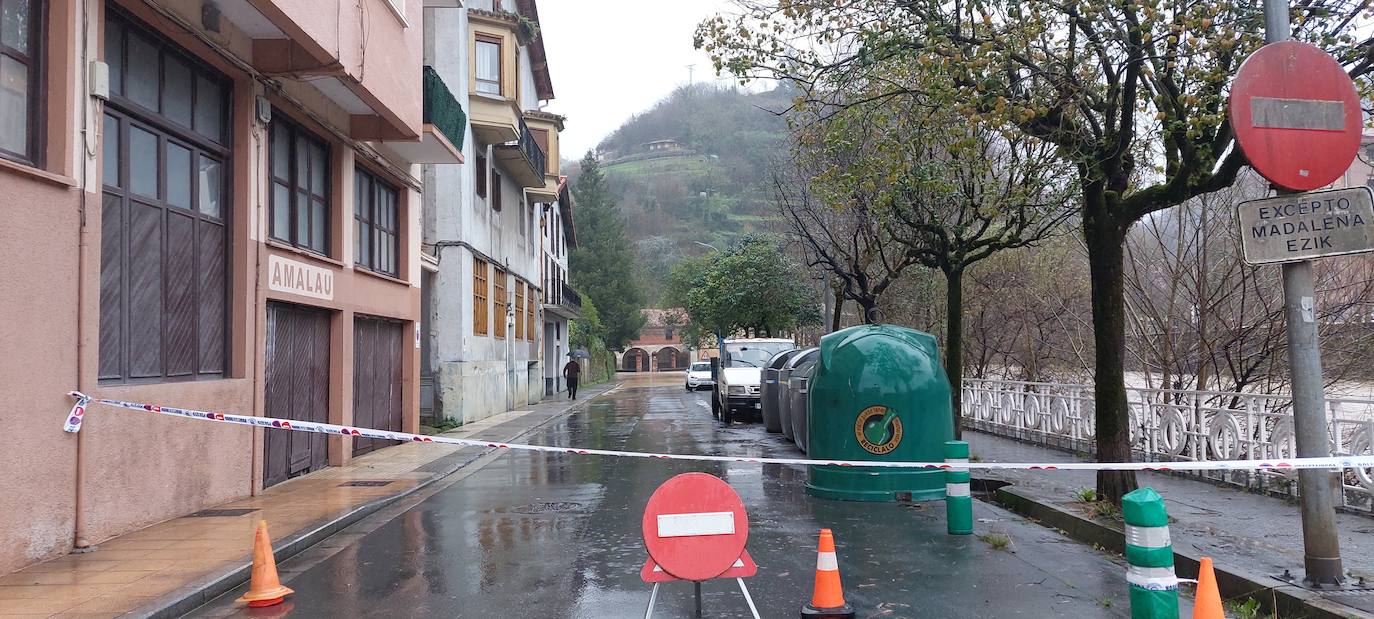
column 227, row 199
column 485, row 243
column 659, row 347
column 561, row 303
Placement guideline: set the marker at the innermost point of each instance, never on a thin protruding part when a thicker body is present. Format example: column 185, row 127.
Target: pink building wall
column 126, row 470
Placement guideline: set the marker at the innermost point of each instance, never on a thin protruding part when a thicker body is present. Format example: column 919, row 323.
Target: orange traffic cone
column 827, row 599
column 265, row 589
column 1207, row 602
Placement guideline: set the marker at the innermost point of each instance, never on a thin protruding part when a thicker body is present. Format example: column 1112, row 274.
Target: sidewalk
column 1253, row 537
column 172, row 567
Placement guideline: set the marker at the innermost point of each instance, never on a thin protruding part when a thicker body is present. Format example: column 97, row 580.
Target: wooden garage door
column 297, row 388
column 376, row 379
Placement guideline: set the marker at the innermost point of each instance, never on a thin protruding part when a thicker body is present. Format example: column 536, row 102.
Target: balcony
column 546, row 128
column 568, row 304
column 445, row 125
column 523, row 159
column 303, row 42
column 495, row 120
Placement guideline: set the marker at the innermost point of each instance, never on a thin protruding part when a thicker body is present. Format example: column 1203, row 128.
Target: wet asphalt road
column 557, row 535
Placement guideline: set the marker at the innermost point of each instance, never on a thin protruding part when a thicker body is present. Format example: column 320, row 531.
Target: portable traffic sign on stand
column 1297, row 118
column 695, row 529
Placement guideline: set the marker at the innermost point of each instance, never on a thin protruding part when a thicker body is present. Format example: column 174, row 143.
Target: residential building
column 561, row 303
column 483, row 347
column 210, row 204
column 659, row 347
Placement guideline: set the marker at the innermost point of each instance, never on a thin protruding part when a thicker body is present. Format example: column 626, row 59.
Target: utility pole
column 691, row 81
column 1321, row 546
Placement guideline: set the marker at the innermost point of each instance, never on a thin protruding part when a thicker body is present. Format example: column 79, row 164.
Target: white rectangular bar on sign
column 688, row 525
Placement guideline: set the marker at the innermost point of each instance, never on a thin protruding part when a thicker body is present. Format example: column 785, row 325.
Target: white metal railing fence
column 1169, row 425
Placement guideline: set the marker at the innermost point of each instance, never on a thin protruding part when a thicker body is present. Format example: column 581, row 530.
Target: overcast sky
column 614, row 58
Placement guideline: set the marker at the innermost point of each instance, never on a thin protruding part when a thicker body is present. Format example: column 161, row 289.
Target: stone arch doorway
column 669, row 359
column 635, row 360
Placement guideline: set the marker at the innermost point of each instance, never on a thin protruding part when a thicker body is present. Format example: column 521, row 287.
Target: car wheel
column 727, row 415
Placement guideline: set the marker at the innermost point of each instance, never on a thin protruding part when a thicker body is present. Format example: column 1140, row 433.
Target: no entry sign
column 1296, row 115
column 695, row 527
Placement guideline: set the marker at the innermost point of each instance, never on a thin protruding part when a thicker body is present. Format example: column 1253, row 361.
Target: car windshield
column 753, row 354
column 701, row 367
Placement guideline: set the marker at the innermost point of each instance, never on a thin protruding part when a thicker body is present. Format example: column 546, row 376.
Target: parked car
column 699, row 376
column 738, row 377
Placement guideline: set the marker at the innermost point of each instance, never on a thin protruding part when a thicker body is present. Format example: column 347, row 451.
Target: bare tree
column 848, row 243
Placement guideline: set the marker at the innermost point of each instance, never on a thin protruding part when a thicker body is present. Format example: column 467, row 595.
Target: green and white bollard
column 1154, row 587
column 958, row 499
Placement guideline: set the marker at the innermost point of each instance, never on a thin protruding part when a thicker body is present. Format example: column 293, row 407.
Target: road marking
column 704, row 523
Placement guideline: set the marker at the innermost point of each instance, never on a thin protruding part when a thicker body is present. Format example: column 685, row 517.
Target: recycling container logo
column 878, row 430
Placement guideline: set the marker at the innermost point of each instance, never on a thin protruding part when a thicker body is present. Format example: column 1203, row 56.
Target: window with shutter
column 479, row 296
column 498, row 302
column 164, row 269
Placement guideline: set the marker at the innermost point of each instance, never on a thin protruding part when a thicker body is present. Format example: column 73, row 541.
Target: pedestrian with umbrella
column 572, row 372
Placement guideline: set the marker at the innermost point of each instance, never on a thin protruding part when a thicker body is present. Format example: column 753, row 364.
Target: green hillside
column 710, row 185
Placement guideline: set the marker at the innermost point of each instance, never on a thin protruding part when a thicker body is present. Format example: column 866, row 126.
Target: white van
column 739, row 375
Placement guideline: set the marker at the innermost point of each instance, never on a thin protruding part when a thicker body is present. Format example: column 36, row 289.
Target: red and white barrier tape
column 78, row 412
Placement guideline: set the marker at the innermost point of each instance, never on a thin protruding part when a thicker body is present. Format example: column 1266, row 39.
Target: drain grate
column 545, row 508
column 221, row 513
column 365, row 483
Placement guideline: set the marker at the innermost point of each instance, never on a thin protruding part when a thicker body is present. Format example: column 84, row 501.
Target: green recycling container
column 878, row 393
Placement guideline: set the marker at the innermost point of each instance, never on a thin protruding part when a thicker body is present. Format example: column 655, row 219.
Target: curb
column 1291, row 600
column 196, row 594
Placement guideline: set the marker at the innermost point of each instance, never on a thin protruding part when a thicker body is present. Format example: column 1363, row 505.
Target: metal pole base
column 1323, row 571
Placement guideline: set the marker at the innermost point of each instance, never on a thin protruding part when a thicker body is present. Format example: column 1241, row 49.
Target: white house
column 483, row 349
column 561, row 302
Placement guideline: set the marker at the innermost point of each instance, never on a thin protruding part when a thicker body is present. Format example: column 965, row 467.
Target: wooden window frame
column 529, row 314
column 367, row 220
column 482, row 172
column 520, row 309
column 280, row 122
column 480, row 322
column 128, row 115
column 498, row 302
column 34, row 61
column 500, row 44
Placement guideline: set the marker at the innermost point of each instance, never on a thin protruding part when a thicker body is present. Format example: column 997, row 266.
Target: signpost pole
column 1321, row 546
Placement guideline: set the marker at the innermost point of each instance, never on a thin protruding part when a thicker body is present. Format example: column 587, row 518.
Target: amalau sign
column 284, row 275
column 1307, row 225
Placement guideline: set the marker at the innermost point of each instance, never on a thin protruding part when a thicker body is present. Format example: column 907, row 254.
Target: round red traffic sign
column 695, row 526
column 1296, row 115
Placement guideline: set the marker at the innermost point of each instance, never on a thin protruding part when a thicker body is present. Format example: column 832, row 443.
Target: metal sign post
column 1321, row 546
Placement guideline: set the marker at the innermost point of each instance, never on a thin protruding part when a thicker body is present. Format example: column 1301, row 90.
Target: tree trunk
column 839, row 311
column 1104, row 238
column 954, row 343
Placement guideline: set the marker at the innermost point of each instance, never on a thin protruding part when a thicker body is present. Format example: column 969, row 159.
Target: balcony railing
column 442, row 110
column 563, row 301
column 533, row 153
column 571, row 299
